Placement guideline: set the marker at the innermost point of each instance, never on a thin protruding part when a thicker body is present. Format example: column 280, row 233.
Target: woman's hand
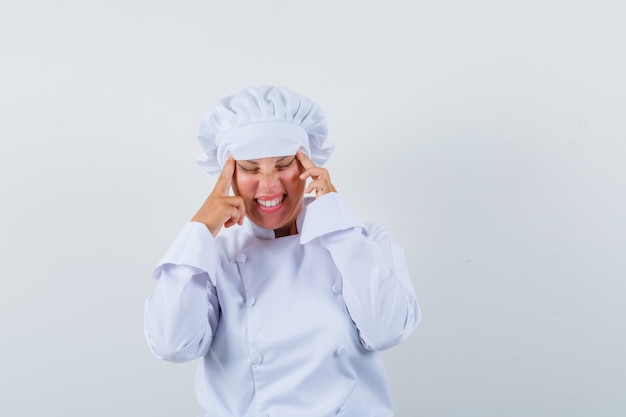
column 319, row 176
column 220, row 208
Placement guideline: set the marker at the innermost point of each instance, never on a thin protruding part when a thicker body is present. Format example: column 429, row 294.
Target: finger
column 317, row 186
column 238, row 209
column 320, row 186
column 316, row 173
column 239, row 214
column 225, row 179
column 232, row 217
column 237, row 202
column 304, row 160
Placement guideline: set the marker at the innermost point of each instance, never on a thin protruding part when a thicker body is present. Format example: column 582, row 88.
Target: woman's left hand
column 319, row 176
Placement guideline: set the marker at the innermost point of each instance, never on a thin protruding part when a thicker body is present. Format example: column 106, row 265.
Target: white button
column 340, row 351
column 337, row 288
column 257, row 358
column 251, row 301
column 241, row 257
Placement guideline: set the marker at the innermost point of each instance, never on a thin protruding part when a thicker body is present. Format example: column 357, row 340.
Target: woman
column 291, row 310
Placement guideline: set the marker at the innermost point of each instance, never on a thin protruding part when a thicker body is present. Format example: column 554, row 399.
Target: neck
column 289, row 230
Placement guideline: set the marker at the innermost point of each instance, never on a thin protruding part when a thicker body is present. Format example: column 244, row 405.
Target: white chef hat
column 262, row 122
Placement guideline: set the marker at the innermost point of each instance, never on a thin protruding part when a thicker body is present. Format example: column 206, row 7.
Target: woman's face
column 272, row 192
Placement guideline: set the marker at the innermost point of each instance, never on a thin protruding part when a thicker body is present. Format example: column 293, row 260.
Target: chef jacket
column 286, row 327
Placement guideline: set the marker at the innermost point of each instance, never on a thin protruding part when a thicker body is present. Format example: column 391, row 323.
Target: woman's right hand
column 220, row 208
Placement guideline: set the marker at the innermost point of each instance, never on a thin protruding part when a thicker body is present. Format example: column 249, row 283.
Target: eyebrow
column 278, row 161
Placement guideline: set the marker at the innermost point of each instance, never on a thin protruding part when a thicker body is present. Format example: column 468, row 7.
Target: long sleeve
column 377, row 288
column 182, row 314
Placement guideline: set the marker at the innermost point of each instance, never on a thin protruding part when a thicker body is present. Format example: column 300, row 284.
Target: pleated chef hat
column 262, row 122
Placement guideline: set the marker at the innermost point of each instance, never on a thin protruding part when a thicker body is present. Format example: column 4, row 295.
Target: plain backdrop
column 490, row 136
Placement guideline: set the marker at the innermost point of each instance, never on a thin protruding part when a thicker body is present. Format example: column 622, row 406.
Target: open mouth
column 271, row 203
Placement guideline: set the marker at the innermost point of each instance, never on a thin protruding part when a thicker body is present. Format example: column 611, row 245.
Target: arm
column 377, row 288
column 181, row 316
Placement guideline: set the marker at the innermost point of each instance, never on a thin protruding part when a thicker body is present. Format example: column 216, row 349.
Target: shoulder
column 377, row 232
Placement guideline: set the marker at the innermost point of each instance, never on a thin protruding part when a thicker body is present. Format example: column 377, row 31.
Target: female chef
column 287, row 299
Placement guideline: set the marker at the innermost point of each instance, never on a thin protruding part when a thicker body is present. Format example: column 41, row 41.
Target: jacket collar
column 268, row 234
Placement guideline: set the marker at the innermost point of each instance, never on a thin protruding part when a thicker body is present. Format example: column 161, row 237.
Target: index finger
column 222, row 185
column 304, row 160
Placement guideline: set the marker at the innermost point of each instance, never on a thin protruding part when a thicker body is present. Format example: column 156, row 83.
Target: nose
column 267, row 179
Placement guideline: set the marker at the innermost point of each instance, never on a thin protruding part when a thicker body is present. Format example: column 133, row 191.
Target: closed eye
column 286, row 165
column 244, row 169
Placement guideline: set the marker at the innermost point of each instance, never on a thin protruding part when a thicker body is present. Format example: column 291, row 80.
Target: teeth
column 270, row 203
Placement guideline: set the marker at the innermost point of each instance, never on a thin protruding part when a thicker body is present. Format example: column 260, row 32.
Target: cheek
column 292, row 180
column 243, row 185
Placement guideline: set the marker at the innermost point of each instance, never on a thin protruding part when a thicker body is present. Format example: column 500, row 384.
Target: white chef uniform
column 285, row 327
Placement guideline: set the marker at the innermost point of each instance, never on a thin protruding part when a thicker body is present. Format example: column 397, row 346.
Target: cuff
column 195, row 247
column 329, row 213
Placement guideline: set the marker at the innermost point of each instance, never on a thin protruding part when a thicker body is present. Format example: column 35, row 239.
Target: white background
column 490, row 136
